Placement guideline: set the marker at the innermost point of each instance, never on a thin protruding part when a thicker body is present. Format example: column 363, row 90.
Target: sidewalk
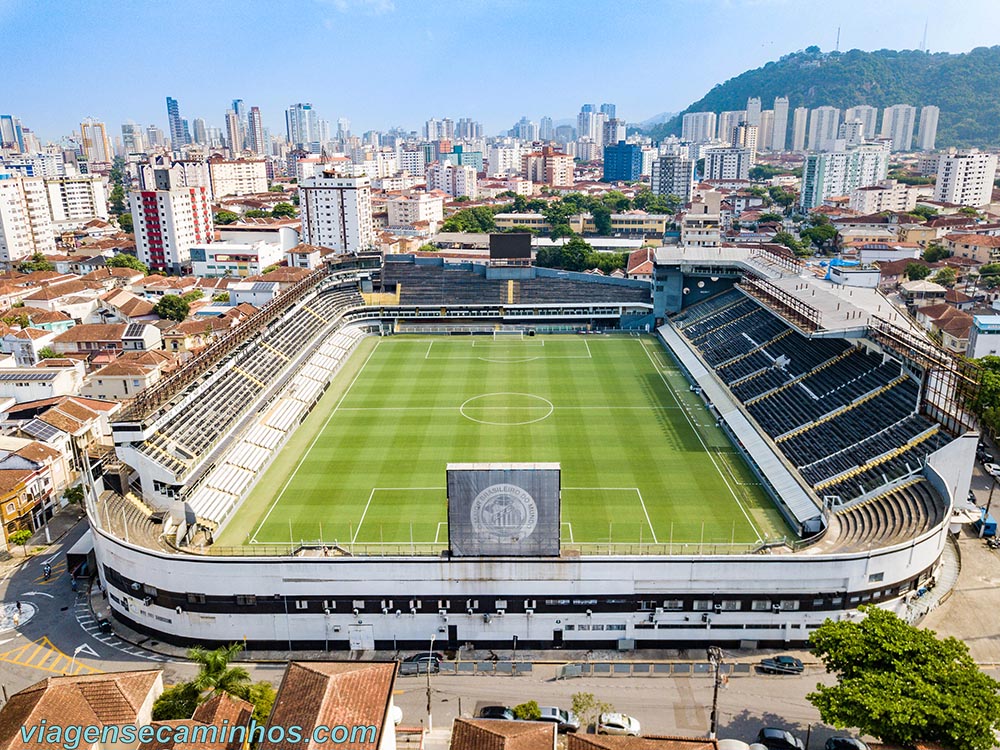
column 62, row 522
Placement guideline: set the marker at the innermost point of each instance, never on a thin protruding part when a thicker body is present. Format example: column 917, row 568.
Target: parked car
column 778, row 739
column 565, row 721
column 421, row 663
column 782, row 664
column 618, row 724
column 992, row 469
column 845, row 743
column 495, row 712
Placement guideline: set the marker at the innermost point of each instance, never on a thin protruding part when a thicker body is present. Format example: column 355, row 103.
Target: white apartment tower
column 731, row 163
column 966, row 178
column 336, row 212
column 95, row 143
column 170, row 218
column 74, row 200
column 780, row 130
column 838, row 173
column 25, row 224
column 927, row 134
column 453, row 179
column 897, row 123
column 765, row 131
column 823, row 125
column 698, row 127
column 237, row 176
column 673, row 174
column 728, row 121
column 753, row 111
column 799, row 120
column 867, row 114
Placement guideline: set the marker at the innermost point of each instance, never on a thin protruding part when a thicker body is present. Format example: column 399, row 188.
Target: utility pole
column 986, row 512
column 430, row 657
column 715, row 657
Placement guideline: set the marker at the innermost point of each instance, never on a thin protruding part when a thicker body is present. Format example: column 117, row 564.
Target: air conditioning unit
column 501, row 612
column 147, row 601
column 529, row 612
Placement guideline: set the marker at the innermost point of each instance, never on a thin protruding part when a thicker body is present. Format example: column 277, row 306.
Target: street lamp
column 430, row 656
column 715, row 657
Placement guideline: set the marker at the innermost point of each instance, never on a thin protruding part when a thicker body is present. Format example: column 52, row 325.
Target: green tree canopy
column 769, row 217
column 820, row 236
column 193, row 296
column 47, row 352
column 528, row 711
column 256, row 213
column 176, row 702
column 904, row 685
column 916, row 271
column 602, row 220
column 477, row 219
column 172, row 307
column 924, row 212
column 21, row 536
column 934, row 252
column 125, row 223
column 284, row 211
column 116, row 201
column 945, row 277
column 261, row 695
column 124, row 260
column 226, row 217
column 38, row 262
column 788, row 240
column 215, row 675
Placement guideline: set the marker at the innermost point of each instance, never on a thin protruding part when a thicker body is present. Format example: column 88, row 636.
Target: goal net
column 508, row 334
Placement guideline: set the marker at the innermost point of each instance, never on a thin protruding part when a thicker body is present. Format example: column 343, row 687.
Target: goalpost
column 508, row 333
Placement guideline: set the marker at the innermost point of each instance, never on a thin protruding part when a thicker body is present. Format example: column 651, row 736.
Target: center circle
column 506, row 409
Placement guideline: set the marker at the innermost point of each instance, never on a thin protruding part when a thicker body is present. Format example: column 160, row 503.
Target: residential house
column 195, row 335
column 32, row 383
column 222, row 710
column 40, row 454
column 26, row 344
column 76, row 298
column 56, row 321
column 156, row 287
column 90, row 339
column 122, row 306
column 494, row 734
column 640, row 264
column 98, row 700
column 893, row 272
column 982, row 248
column 256, row 293
column 947, row 323
column 285, row 277
column 131, row 373
column 71, row 425
column 115, row 278
column 920, row 293
column 142, row 337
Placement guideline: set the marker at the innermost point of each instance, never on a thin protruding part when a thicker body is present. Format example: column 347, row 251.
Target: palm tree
column 215, row 675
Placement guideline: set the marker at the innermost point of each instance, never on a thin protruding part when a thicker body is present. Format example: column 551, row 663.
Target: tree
column 969, row 211
column 588, row 708
column 528, row 711
column 221, row 297
column 428, row 248
column 226, row 217
column 602, row 220
column 916, row 271
column 38, row 262
column 903, row 684
column 934, row 252
column 820, row 235
column 945, row 276
column 215, row 675
column 256, row 213
column 124, row 260
column 21, row 536
column 116, row 201
column 571, row 256
column 788, row 240
column 125, row 223
column 284, row 211
column 276, row 189
column 172, row 307
column 47, row 352
column 193, row 296
column 924, row 212
column 74, row 494
column 770, row 217
column 176, row 702
column 261, row 695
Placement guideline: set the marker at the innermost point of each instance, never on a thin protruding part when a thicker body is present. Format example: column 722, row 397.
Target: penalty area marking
column 619, row 489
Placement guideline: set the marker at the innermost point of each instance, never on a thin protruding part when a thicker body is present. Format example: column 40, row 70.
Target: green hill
column 965, row 86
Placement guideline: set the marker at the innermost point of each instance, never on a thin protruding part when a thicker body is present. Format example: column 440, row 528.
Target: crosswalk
column 44, row 656
column 86, row 620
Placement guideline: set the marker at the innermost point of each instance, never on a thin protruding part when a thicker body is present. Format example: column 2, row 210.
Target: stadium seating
column 895, row 516
column 846, row 417
column 211, row 411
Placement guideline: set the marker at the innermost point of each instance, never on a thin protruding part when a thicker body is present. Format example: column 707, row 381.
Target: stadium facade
column 789, row 363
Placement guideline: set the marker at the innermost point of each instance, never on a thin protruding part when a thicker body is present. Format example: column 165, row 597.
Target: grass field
column 642, row 460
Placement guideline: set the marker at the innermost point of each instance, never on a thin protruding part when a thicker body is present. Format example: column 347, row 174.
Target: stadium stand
column 897, row 515
column 211, row 411
column 843, row 415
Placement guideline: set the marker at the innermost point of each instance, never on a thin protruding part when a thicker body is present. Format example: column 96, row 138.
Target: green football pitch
column 643, row 463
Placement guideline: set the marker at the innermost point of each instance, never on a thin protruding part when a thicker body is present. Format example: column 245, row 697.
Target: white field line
column 622, row 489
column 702, row 441
column 305, row 455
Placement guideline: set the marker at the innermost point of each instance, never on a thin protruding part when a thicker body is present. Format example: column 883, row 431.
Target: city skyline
column 370, row 44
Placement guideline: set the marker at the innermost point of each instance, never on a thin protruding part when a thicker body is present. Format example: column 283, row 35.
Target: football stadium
column 492, row 453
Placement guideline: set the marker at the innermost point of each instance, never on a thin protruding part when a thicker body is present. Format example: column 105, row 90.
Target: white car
column 618, row 724
column 992, row 469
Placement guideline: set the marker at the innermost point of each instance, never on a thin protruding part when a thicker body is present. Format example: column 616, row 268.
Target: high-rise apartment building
column 780, row 130
column 765, row 131
column 545, row 130
column 622, row 161
column 800, row 118
column 237, row 176
column 867, row 114
column 823, row 125
column 302, row 126
column 609, row 110
column 728, row 121
column 255, row 132
column 155, row 137
column 336, row 212
column 11, row 134
column 965, row 177
column 753, row 111
column 234, row 133
column 731, row 163
column 612, row 131
column 548, row 167
column 453, row 179
column 95, row 143
column 839, row 173
column 175, row 126
column 927, row 134
column 133, row 141
column 169, row 219
column 200, row 133
column 673, row 174
column 698, row 127
column 76, row 199
column 25, row 221
column 897, row 123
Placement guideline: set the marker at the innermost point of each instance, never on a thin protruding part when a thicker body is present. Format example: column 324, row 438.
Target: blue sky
column 382, row 63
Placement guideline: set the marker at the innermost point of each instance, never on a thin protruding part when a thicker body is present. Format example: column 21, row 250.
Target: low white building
column 256, row 293
column 984, row 337
column 888, row 195
column 234, row 258
column 25, row 384
column 282, row 232
column 304, row 256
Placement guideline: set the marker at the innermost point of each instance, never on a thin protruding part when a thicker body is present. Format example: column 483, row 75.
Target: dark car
column 778, row 739
column 783, row 664
column 495, row 712
column 845, row 743
column 421, row 663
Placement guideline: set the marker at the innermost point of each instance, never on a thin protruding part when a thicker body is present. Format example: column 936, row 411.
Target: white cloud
column 369, row 7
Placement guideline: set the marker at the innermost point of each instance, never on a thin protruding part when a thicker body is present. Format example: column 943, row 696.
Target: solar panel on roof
column 11, row 377
column 40, row 430
column 134, row 331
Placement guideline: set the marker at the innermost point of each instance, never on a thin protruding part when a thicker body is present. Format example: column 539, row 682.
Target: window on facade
column 246, row 600
column 196, row 598
column 701, row 605
column 760, row 605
